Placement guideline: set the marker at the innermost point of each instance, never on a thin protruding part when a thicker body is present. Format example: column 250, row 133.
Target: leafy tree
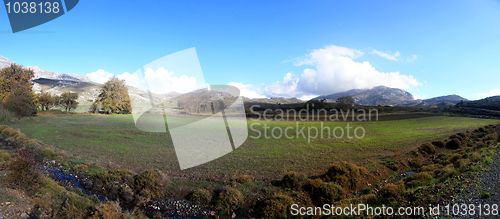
column 16, row 90
column 46, row 100
column 68, row 100
column 347, row 100
column 113, row 97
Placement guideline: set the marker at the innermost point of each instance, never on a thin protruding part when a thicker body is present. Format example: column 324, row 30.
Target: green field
column 114, row 141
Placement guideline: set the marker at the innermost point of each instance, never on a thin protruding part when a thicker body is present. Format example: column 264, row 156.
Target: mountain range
column 382, row 95
column 58, row 83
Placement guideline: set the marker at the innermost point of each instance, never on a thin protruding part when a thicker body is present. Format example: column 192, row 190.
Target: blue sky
column 279, row 48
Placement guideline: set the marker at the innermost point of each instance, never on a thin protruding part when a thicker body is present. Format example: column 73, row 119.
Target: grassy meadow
column 114, row 141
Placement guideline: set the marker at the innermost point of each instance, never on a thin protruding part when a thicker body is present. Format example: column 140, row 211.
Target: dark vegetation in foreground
column 436, row 166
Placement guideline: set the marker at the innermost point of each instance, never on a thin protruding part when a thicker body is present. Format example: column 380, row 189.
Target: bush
column 391, row 192
column 453, row 144
column 488, row 137
column 428, row 168
column 6, row 115
column 427, row 148
column 460, row 163
column 275, row 207
column 445, row 172
column 32, row 144
column 200, row 195
column 244, row 179
column 231, row 199
column 345, row 174
column 4, row 156
column 81, row 168
column 119, row 175
column 329, row 193
column 293, row 180
column 461, row 134
column 415, row 163
column 9, row 132
column 149, row 183
column 455, row 157
column 47, row 153
column 418, row 179
column 24, row 173
column 107, row 210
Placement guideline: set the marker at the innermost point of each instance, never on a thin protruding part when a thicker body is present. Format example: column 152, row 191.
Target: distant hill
column 449, row 100
column 490, row 103
column 274, row 100
column 380, row 95
column 42, row 73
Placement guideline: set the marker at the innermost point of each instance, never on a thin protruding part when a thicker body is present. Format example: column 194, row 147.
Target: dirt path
column 13, row 203
column 483, row 195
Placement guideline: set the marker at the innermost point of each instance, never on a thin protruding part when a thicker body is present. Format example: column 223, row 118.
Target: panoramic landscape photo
column 249, row 109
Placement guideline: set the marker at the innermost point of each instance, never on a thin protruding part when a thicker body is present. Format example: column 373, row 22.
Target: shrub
column 70, row 211
column 119, row 175
column 200, row 195
column 329, row 193
column 460, row 163
column 391, row 192
column 231, row 199
column 32, row 144
column 479, row 145
column 24, row 173
column 345, row 174
column 293, row 180
column 244, row 179
column 461, row 134
column 149, row 182
column 488, row 137
column 453, row 144
column 4, row 156
column 415, row 163
column 455, row 157
column 107, row 210
column 427, row 148
column 445, row 172
column 428, row 168
column 369, row 199
column 81, row 168
column 46, row 152
column 418, row 179
column 475, row 156
column 275, row 207
column 2, row 127
column 9, row 132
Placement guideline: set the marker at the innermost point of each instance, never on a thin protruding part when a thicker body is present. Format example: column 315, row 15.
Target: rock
column 7, row 203
column 24, row 215
column 87, row 184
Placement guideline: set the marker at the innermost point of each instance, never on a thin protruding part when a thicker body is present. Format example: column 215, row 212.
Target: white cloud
column 418, row 97
column 336, row 71
column 387, row 55
column 494, row 92
column 100, row 76
column 132, row 80
column 307, row 97
column 160, row 81
column 412, row 58
column 163, row 81
column 286, row 88
column 247, row 90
